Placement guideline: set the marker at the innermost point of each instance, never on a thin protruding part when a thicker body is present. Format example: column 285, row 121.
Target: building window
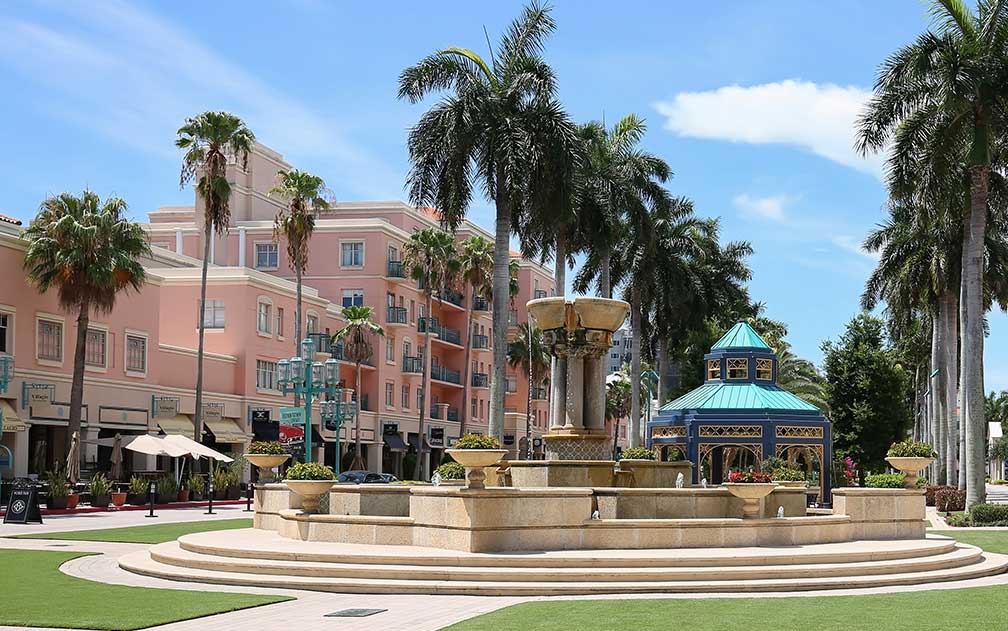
column 266, row 374
column 352, row 254
column 353, row 297
column 280, row 322
column 50, row 340
column 7, row 333
column 266, row 256
column 95, row 348
column 412, row 311
column 312, row 323
column 738, row 368
column 713, row 368
column 265, row 318
column 512, row 384
column 389, row 393
column 481, row 408
column 213, row 314
column 390, row 349
column 405, row 396
column 136, row 353
column 407, row 348
column 472, row 407
column 764, row 369
column 393, row 253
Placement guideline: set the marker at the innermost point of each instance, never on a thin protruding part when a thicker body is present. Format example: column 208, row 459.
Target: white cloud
column 818, row 118
column 771, row 207
column 850, row 244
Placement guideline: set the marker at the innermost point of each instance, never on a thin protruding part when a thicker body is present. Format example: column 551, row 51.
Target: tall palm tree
column 946, row 89
column 996, row 407
column 529, row 352
column 617, row 404
column 357, row 347
column 430, row 259
column 209, row 140
column 88, row 251
column 496, row 128
column 476, row 273
column 306, row 198
column 801, row 378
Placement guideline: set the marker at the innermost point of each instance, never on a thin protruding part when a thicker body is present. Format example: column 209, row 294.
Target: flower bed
column 885, row 481
column 749, row 477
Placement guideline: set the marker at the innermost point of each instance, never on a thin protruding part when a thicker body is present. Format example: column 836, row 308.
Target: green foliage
column 221, row 478
column 195, row 483
column 999, row 449
column 310, row 471
column 923, row 482
column 617, row 400
column 305, row 195
column 885, row 481
column 58, row 486
column 266, row 447
column 356, row 333
column 786, row 474
column 772, row 463
column 911, row 449
column 137, row 486
column 988, row 515
column 451, row 471
column 99, row 485
column 638, row 453
column 866, row 388
column 166, row 487
column 477, row 441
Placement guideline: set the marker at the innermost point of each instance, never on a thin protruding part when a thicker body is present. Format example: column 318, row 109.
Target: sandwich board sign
column 23, row 507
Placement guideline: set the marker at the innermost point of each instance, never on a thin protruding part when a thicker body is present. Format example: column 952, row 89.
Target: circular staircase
column 264, row 559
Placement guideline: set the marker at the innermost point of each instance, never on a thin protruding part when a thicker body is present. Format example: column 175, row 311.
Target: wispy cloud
column 133, row 76
column 818, row 118
column 771, row 207
column 850, row 244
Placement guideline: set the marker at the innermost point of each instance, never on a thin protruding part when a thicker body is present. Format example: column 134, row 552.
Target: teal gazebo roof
column 739, row 396
column 741, row 336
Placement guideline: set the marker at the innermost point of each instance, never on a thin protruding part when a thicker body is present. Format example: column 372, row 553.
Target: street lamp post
column 6, row 375
column 647, row 378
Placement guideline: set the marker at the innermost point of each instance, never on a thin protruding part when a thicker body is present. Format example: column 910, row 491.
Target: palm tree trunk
column 198, row 425
column 963, row 415
column 934, row 381
column 358, row 462
column 976, row 491
column 501, row 298
column 916, row 410
column 605, row 282
column 951, row 361
column 663, row 371
column 528, row 403
column 425, row 380
column 558, row 365
column 77, row 386
column 297, row 328
column 635, row 365
column 466, row 378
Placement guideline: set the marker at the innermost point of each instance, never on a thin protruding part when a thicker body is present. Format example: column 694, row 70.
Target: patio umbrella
column 195, row 449
column 154, row 446
column 73, row 460
column 116, row 471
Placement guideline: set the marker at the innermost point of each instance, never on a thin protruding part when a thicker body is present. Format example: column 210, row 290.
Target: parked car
column 361, row 477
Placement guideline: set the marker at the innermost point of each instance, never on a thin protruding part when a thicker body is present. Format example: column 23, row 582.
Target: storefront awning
column 394, row 442
column 226, row 430
column 178, row 424
column 414, row 441
column 11, row 421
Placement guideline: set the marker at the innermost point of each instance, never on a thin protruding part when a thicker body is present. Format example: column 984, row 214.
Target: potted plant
column 788, row 476
column 100, row 489
column 638, row 453
column 310, row 480
column 910, row 457
column 183, row 492
column 167, row 489
column 266, row 455
column 474, row 452
column 450, row 473
column 59, row 490
column 72, row 500
column 221, row 481
column 196, row 485
column 118, row 495
column 750, row 487
column 136, row 493
column 234, row 478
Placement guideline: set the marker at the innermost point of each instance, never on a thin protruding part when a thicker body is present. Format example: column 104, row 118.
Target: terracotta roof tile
column 10, row 220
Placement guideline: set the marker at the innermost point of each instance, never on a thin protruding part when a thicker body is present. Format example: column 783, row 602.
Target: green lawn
column 37, row 594
column 973, row 608
column 152, row 533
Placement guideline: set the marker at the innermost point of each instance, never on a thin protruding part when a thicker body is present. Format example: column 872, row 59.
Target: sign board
column 213, row 412
column 260, row 415
column 292, row 416
column 165, row 407
column 390, row 428
column 436, row 437
column 23, row 508
column 508, row 439
column 39, row 394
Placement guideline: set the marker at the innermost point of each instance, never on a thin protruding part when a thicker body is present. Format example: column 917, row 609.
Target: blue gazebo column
column 693, row 455
column 827, row 464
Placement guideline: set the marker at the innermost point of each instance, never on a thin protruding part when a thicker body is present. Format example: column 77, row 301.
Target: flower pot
column 909, row 466
column 793, row 484
column 195, row 496
column 266, row 463
column 474, row 461
column 234, row 493
column 58, row 503
column 118, row 499
column 100, row 501
column 136, row 499
column 183, row 495
column 750, row 493
column 220, row 494
column 166, row 498
column 310, row 491
column 72, row 501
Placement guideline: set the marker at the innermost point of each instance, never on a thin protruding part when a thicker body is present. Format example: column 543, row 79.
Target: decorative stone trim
column 799, row 431
column 731, row 431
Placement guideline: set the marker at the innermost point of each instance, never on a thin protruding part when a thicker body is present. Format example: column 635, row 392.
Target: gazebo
column 740, row 416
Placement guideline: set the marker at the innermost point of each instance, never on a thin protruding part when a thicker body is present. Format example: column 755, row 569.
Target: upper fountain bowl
column 549, row 313
column 604, row 314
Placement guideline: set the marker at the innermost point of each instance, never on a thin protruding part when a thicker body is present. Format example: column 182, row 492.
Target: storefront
column 14, row 441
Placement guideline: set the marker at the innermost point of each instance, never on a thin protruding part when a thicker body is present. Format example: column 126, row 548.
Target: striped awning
column 11, row 421
column 178, row 424
column 226, row 430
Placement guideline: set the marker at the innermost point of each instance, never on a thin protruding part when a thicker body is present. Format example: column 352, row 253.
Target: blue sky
column 751, row 104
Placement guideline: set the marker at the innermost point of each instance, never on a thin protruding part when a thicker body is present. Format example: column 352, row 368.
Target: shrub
column 988, row 515
column 166, row 487
column 137, row 486
column 787, row 474
column 929, row 492
column 58, row 486
column 267, row 448
column 922, row 482
column 771, row 464
column 950, row 499
column 999, row 449
column 885, row 481
column 999, row 481
column 99, row 485
column 638, row 453
column 310, row 471
column 477, row 441
column 958, row 520
column 748, row 477
column 911, row 449
column 195, row 484
column 451, row 471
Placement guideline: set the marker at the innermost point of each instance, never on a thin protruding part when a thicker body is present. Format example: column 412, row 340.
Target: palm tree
column 996, row 408
column 429, row 257
column 357, row 347
column 801, row 378
column 529, row 352
column 946, row 90
column 617, row 403
column 209, row 139
column 88, row 251
column 476, row 273
column 306, row 197
column 496, row 129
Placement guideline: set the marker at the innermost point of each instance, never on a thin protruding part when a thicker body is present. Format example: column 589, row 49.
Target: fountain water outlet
column 679, row 481
column 780, row 512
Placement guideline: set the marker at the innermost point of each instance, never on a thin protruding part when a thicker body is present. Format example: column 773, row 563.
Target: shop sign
column 508, row 439
column 165, row 407
column 294, row 416
column 436, row 437
column 39, row 393
column 23, row 508
column 213, row 412
column 260, row 415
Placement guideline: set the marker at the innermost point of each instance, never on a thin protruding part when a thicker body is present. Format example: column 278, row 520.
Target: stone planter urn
column 266, row 463
column 750, row 493
column 310, row 491
column 793, row 484
column 474, row 461
column 910, row 467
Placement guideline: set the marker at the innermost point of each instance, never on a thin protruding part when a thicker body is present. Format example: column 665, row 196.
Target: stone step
column 172, row 554
column 260, row 544
column 141, row 562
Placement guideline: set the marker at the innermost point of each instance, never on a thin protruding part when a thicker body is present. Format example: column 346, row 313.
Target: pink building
column 142, row 358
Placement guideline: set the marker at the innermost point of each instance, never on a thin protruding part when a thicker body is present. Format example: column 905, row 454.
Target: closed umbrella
column 73, row 460
column 116, row 470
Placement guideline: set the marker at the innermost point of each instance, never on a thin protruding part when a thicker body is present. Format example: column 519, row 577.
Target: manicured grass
column 990, row 540
column 148, row 533
column 37, row 594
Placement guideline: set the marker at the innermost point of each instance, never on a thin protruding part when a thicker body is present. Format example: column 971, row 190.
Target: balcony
column 480, row 304
column 396, row 315
column 452, row 297
column 435, row 412
column 440, row 373
column 480, row 380
column 412, row 365
column 512, row 318
column 539, row 293
column 396, row 269
column 452, row 336
column 480, row 341
column 323, row 343
column 336, row 350
column 453, row 414
column 539, row 394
